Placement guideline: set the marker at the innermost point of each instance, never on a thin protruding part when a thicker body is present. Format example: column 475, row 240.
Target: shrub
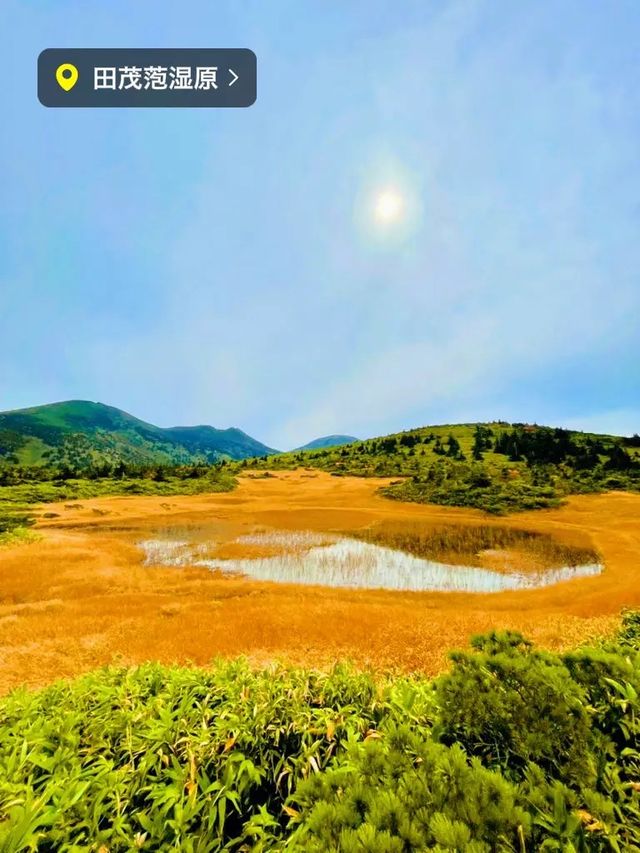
column 404, row 792
column 178, row 758
column 510, row 706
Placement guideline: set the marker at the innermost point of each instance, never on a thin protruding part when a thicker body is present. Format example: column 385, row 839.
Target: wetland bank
column 86, row 594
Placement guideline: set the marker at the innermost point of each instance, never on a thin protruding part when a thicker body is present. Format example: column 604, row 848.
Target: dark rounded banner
column 147, row 77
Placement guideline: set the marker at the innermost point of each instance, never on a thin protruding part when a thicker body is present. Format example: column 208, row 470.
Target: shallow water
column 318, row 559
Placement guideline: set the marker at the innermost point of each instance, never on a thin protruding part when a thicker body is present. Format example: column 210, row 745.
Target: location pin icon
column 67, row 76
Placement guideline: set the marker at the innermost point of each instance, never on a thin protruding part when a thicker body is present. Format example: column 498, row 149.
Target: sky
column 231, row 267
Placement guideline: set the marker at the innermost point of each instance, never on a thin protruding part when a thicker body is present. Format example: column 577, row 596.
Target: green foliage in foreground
column 513, row 750
column 497, row 467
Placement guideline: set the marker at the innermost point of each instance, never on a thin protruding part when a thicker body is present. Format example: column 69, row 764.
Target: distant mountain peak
column 328, row 441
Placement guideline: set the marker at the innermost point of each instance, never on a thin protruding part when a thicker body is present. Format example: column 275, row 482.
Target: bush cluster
column 514, row 749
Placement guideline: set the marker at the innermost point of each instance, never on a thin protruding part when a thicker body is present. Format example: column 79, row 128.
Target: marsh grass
column 309, row 558
column 466, row 543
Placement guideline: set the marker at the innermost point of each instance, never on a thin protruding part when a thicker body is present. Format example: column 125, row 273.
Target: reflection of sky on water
column 312, row 558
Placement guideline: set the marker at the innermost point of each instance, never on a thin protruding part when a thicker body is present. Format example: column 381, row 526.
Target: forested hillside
column 497, row 466
column 78, row 435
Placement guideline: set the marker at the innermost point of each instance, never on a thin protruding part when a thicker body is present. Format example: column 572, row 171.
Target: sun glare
column 389, row 206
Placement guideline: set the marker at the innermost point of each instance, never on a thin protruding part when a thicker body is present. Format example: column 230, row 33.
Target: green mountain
column 328, row 441
column 81, row 432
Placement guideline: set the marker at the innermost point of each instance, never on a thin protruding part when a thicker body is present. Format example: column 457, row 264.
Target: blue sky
column 224, row 266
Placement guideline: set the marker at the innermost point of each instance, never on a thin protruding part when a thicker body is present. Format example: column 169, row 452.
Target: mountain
column 328, row 441
column 92, row 432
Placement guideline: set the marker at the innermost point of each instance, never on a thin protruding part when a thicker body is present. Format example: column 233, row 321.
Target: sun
column 389, row 206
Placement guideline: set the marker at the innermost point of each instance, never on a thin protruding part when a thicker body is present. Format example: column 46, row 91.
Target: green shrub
column 14, row 527
column 405, row 792
column 510, row 706
column 181, row 759
column 630, row 631
column 14, row 497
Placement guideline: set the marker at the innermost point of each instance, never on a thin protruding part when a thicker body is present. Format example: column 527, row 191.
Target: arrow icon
column 235, row 76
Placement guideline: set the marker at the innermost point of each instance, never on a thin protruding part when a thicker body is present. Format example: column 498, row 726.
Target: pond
column 306, row 557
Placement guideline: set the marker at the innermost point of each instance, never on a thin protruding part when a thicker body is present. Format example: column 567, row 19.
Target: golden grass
column 495, row 544
column 80, row 597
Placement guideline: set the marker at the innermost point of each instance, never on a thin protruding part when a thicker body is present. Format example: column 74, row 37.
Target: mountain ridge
column 98, row 432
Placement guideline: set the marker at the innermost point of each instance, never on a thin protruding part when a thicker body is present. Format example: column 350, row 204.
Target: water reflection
column 319, row 559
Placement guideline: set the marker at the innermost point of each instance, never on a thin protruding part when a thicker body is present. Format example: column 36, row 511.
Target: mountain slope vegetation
column 498, row 467
column 78, row 434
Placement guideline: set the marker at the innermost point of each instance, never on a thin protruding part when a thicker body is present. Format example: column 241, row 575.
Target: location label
column 147, row 77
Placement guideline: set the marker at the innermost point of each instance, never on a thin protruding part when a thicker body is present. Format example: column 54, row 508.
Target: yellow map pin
column 67, row 76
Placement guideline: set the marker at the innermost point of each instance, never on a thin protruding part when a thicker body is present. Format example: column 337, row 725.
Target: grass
column 14, row 525
column 52, row 491
column 512, row 750
column 464, row 543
